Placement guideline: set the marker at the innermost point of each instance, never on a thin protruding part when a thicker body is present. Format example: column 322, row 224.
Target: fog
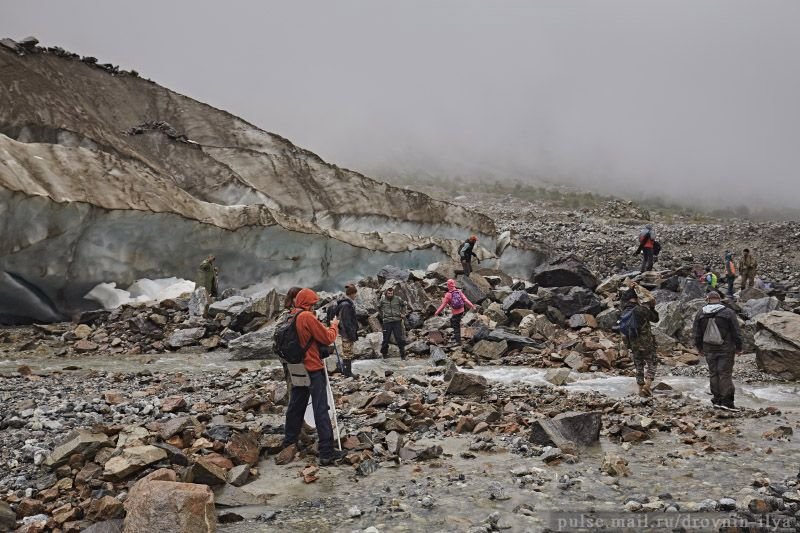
column 686, row 100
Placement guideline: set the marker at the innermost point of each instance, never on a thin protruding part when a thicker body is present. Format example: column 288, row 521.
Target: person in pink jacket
column 458, row 302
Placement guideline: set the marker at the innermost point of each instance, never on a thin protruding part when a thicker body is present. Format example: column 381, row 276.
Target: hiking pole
column 339, row 363
column 333, row 407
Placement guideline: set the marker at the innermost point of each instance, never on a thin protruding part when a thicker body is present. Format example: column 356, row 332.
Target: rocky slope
column 105, row 176
column 123, row 418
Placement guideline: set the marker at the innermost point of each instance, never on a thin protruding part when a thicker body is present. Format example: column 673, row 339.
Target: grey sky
column 680, row 96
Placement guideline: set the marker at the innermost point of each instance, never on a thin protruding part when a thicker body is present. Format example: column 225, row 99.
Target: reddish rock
column 244, row 447
column 465, row 425
column 219, row 460
column 113, row 397
column 173, row 404
column 106, row 508
column 160, row 505
column 29, row 507
column 84, row 345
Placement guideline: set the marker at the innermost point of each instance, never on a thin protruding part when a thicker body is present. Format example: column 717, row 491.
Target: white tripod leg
column 333, row 407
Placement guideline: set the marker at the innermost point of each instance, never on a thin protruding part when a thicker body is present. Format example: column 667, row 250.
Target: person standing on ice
column 207, row 274
column 458, row 302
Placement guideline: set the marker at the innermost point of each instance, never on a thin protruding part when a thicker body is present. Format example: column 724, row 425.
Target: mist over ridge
column 692, row 102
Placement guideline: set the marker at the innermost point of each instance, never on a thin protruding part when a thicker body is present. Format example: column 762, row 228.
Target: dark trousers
column 466, row 264
column 455, row 323
column 297, row 409
column 647, row 259
column 730, row 279
column 720, row 370
column 394, row 329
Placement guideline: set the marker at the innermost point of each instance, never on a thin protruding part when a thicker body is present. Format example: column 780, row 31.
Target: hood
column 451, row 285
column 306, row 299
column 712, row 308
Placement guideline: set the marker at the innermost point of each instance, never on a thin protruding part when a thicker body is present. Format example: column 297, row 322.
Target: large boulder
column 751, row 293
column 495, row 313
column 158, row 503
column 778, row 344
column 228, row 306
column 185, row 337
column 79, row 441
column 516, row 300
column 198, row 302
column 131, row 461
column 514, row 341
column 580, row 428
column 265, row 304
column 760, row 306
column 444, row 270
column 611, row 285
column 463, row 384
column 536, row 325
column 574, row 300
column 256, row 345
column 566, row 272
column 390, row 272
column 490, row 350
column 691, row 289
column 689, row 311
column 475, row 287
column 413, row 293
column 670, row 318
column 8, row 518
column 607, row 319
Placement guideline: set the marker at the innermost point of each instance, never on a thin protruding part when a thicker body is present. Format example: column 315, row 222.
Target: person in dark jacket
column 466, row 253
column 643, row 344
column 391, row 311
column 348, row 327
column 719, row 357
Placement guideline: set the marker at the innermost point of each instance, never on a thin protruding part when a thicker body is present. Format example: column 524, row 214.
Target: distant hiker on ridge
column 466, row 254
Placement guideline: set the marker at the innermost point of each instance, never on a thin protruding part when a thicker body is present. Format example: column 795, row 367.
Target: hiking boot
column 646, row 387
column 642, row 393
column 286, row 455
column 334, row 459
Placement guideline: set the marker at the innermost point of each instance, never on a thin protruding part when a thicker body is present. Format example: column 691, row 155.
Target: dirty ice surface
column 141, row 291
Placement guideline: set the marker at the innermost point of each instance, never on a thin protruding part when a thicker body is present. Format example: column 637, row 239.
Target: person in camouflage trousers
column 207, row 275
column 747, row 269
column 643, row 345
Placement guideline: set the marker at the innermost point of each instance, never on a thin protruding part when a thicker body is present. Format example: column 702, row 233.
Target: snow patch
column 141, row 291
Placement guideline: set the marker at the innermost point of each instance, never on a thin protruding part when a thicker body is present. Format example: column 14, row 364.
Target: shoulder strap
column 310, row 339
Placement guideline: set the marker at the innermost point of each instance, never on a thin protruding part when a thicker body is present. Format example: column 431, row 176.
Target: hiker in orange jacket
column 310, row 329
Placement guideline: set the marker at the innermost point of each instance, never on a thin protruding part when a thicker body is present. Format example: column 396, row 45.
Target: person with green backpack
column 718, row 338
column 711, row 280
column 634, row 325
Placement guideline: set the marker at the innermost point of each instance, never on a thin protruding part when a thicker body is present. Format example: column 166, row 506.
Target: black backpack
column 656, row 247
column 287, row 342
